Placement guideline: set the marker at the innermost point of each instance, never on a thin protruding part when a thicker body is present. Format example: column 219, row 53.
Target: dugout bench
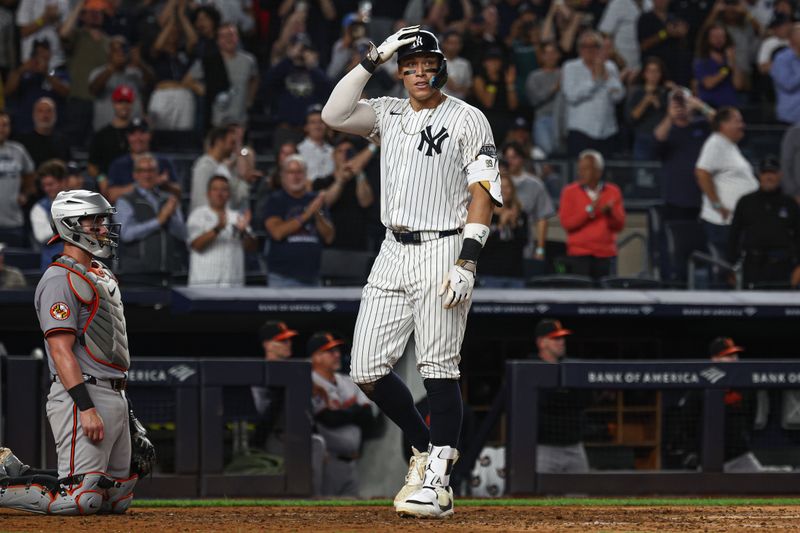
column 185, row 395
column 526, row 378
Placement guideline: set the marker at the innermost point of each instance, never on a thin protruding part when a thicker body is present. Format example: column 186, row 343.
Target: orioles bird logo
column 59, row 311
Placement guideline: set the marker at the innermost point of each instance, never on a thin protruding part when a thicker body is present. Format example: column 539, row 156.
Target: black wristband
column 80, row 395
column 368, row 65
column 470, row 250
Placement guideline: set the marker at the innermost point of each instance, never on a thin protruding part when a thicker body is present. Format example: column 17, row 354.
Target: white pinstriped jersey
column 423, row 157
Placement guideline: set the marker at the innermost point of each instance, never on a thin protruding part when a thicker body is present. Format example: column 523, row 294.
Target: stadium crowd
column 200, row 121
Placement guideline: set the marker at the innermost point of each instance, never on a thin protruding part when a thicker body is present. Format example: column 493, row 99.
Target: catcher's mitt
column 143, row 453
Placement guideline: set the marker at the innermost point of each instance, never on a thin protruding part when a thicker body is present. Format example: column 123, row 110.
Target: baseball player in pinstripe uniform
column 439, row 181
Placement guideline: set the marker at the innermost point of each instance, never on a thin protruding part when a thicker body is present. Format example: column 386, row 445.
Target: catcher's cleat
column 427, row 502
column 414, row 477
column 10, row 465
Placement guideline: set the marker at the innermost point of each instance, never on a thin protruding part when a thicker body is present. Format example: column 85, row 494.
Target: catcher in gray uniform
column 102, row 448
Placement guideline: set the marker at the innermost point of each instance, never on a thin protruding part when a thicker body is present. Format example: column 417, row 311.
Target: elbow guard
column 484, row 171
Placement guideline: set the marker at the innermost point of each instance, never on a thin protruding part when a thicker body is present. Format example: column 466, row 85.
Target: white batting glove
column 403, row 37
column 457, row 286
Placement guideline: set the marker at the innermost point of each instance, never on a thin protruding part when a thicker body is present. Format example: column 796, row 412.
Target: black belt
column 415, row 237
column 117, row 385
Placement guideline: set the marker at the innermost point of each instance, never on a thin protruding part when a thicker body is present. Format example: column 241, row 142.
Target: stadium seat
column 560, row 281
column 345, row 268
column 22, row 258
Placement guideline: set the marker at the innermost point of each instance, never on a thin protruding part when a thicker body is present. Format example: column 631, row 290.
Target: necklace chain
column 425, row 122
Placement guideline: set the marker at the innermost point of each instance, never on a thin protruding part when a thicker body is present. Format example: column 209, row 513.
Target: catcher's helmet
column 426, row 43
column 71, row 206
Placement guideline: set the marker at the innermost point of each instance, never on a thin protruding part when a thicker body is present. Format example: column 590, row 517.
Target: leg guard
column 84, row 498
column 28, row 493
column 120, row 496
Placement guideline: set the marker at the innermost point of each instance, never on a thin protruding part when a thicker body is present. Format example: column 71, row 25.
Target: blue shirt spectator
column 785, row 73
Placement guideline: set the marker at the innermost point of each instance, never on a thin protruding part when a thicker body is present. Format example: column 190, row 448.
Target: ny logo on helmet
column 434, row 142
column 417, row 42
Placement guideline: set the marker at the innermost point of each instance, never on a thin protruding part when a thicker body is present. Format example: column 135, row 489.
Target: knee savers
column 89, row 494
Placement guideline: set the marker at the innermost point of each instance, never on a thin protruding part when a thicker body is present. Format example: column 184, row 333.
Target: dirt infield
column 356, row 518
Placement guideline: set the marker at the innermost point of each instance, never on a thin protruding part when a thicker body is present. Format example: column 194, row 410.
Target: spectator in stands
column 663, row 35
column 122, row 79
column 560, row 448
column 297, row 225
column 16, row 185
column 680, row 136
column 533, row 199
column 561, row 26
column 218, row 238
column 591, row 87
column 780, row 30
column 86, row 46
column 484, row 35
column 41, row 20
column 120, row 174
column 32, row 81
column 171, row 105
column 153, row 232
column 715, row 68
column 459, row 70
column 766, row 230
column 354, row 31
column 10, row 277
column 315, row 149
column 296, row 83
column 619, row 22
column 77, row 179
column 743, row 30
column 43, row 143
column 52, row 178
column 525, row 41
column 348, row 194
column 542, row 87
column 495, row 90
column 232, row 104
column 272, row 181
column 111, row 141
column 342, row 414
column 790, row 162
column 219, row 146
column 242, row 167
column 592, row 214
column 502, row 256
column 645, row 107
column 786, row 79
column 724, row 176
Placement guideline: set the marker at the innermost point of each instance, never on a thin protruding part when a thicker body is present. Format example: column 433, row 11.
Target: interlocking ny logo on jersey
column 434, row 142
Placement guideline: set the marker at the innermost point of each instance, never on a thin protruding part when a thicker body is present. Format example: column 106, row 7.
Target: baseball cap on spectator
column 301, row 38
column 520, row 124
column 321, row 342
column 723, row 346
column 73, row 168
column 123, row 93
column 315, row 109
column 138, row 124
column 770, row 163
column 275, row 331
column 551, row 329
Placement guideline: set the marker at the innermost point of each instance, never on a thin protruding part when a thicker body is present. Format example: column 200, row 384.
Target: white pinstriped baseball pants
column 400, row 298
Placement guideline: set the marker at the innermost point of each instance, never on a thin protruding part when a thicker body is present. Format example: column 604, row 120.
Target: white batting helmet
column 71, row 206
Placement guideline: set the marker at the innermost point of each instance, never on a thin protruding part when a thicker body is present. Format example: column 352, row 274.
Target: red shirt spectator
column 592, row 213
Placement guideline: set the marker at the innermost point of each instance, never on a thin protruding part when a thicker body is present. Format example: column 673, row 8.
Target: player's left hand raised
column 457, row 286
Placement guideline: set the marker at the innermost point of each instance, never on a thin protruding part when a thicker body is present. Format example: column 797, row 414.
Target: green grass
column 522, row 502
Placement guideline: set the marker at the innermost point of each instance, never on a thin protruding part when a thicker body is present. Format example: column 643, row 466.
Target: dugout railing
column 526, row 378
column 185, row 396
